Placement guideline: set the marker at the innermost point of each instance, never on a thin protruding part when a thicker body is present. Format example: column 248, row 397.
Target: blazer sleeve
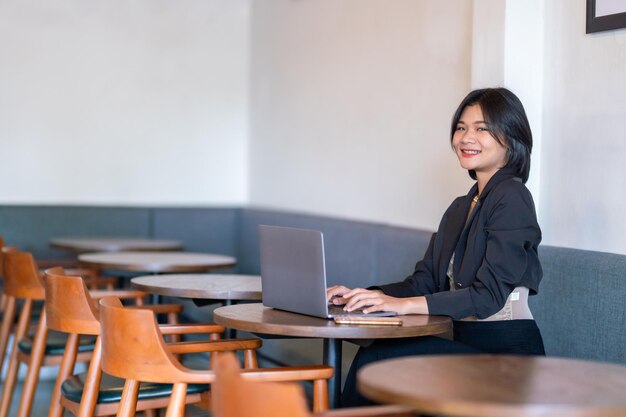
column 421, row 282
column 510, row 258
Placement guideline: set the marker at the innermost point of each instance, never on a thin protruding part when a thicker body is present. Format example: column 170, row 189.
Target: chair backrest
column 133, row 347
column 1, row 257
column 22, row 279
column 69, row 307
column 234, row 397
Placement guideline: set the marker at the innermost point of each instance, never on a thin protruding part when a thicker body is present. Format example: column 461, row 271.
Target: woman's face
column 475, row 146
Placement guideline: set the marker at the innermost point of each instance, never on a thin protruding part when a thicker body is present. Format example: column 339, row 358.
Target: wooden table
column 497, row 385
column 208, row 286
column 227, row 288
column 114, row 244
column 157, row 262
column 257, row 318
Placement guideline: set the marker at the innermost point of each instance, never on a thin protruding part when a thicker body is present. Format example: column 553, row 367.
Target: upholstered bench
column 581, row 308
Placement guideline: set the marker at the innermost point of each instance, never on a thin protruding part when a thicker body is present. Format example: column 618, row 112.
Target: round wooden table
column 114, row 244
column 208, row 286
column 497, row 385
column 157, row 262
column 257, row 318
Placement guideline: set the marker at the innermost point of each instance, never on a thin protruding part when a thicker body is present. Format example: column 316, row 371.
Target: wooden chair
column 2, row 297
column 7, row 325
column 72, row 309
column 1, row 258
column 133, row 348
column 92, row 277
column 235, row 397
column 22, row 282
column 1, row 264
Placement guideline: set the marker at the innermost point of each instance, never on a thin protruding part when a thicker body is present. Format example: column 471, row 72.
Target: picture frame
column 605, row 15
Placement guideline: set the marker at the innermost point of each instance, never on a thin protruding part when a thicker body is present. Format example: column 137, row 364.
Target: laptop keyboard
column 334, row 311
column 339, row 311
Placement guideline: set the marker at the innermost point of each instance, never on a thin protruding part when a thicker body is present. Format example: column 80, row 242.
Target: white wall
column 351, row 105
column 119, row 102
column 507, row 42
column 351, row 101
column 584, row 154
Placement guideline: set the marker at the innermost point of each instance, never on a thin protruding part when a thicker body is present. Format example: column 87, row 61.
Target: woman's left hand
column 375, row 300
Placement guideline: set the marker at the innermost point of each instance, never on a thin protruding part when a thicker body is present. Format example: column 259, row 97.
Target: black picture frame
column 602, row 23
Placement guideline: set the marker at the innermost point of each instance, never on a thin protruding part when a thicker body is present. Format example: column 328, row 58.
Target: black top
column 495, row 251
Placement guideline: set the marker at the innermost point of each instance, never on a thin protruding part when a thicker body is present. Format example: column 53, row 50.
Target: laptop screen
column 293, row 273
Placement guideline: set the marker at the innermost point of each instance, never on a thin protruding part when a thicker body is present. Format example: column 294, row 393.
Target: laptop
column 293, row 273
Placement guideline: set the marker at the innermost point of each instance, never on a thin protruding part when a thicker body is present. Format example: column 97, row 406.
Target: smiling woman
column 499, row 115
column 482, row 263
column 475, row 146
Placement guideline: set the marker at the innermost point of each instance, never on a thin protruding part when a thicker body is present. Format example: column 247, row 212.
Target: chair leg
column 89, row 399
column 176, row 407
column 34, row 366
column 128, row 403
column 7, row 325
column 172, row 318
column 14, row 364
column 65, row 370
column 320, row 395
column 250, row 359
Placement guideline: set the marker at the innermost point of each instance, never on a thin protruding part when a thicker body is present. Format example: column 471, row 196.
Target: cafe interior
column 146, row 143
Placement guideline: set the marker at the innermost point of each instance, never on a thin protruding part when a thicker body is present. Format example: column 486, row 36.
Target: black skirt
column 516, row 337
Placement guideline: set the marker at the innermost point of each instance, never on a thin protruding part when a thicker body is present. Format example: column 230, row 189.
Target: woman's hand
column 375, row 300
column 335, row 294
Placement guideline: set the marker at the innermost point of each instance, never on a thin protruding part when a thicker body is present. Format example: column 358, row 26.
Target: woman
column 482, row 263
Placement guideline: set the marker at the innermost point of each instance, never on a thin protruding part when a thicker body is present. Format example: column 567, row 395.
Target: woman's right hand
column 334, row 294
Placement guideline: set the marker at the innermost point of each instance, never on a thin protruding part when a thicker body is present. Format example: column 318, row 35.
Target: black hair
column 505, row 115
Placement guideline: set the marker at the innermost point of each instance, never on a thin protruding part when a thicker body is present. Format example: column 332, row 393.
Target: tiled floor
column 41, row 402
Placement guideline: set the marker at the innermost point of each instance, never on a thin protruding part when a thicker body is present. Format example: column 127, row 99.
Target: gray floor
column 41, row 402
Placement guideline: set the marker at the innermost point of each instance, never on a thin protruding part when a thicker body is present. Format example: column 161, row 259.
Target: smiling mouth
column 469, row 152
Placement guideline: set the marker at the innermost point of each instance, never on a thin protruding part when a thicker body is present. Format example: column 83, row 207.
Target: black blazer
column 495, row 252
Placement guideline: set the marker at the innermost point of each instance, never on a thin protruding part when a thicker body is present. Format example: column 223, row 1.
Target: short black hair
column 505, row 115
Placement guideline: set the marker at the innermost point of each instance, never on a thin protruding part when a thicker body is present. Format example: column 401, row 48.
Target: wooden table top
column 114, row 244
column 257, row 318
column 157, row 262
column 210, row 286
column 498, row 385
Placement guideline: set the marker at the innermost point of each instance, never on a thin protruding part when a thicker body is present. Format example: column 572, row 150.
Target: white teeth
column 471, row 152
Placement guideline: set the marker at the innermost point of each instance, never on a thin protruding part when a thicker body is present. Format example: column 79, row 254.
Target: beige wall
column 351, row 104
column 118, row 102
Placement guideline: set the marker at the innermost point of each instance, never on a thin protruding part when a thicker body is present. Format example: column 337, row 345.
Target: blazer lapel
column 453, row 228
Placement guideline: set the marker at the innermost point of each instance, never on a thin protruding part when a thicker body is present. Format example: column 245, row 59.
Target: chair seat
column 111, row 389
column 55, row 344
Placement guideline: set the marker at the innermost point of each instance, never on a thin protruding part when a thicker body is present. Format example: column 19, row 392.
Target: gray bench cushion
column 31, row 227
column 580, row 308
column 581, row 305
column 357, row 254
column 201, row 229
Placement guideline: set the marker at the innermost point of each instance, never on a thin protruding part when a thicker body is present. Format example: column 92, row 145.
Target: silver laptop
column 293, row 272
